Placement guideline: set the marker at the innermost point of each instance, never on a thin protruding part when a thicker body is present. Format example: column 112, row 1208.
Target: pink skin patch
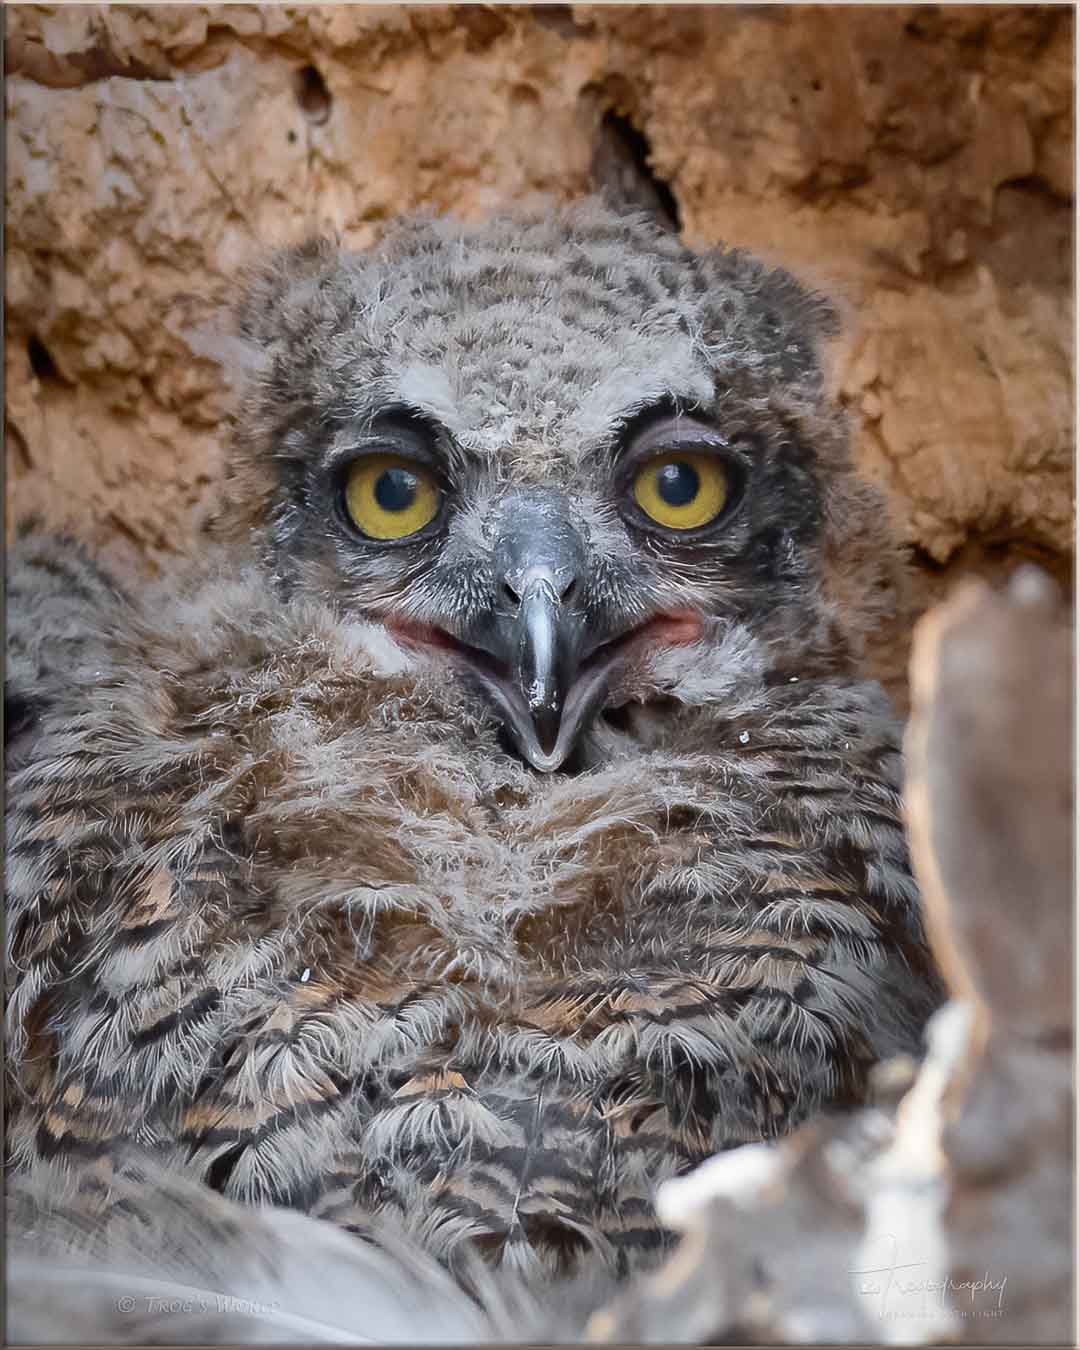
column 617, row 670
column 632, row 678
column 420, row 634
column 678, row 628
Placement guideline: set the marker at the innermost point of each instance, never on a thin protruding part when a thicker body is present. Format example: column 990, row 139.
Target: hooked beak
column 547, row 692
column 558, row 675
column 538, row 633
column 544, row 662
column 540, row 669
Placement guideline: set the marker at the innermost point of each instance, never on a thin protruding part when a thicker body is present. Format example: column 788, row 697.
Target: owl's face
column 551, row 454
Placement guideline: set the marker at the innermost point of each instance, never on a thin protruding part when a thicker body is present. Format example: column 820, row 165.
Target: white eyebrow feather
column 426, row 388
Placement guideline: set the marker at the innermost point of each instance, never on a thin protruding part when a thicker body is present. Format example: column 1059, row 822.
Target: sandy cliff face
column 915, row 161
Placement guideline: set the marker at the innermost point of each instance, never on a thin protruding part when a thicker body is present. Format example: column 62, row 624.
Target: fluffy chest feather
column 286, row 912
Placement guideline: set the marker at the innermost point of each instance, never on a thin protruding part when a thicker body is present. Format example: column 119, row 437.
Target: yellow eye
column 682, row 490
column 389, row 497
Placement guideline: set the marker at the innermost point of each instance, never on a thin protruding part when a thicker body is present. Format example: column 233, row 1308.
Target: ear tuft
column 282, row 284
column 778, row 324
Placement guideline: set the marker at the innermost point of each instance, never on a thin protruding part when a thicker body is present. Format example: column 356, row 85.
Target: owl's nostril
column 512, row 594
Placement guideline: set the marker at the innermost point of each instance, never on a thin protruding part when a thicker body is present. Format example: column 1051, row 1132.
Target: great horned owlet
column 495, row 822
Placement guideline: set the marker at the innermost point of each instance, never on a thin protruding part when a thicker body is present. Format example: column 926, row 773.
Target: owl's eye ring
column 678, row 475
column 682, row 491
column 389, row 498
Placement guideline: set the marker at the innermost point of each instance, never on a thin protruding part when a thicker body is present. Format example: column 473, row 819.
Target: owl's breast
column 314, row 935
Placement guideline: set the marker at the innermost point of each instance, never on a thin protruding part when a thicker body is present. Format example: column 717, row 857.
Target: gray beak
column 538, row 632
column 543, row 663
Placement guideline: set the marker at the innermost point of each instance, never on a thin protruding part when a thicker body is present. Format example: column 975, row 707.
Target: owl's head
column 565, row 455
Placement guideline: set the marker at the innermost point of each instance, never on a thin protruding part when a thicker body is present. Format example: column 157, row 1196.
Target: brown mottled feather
column 260, row 972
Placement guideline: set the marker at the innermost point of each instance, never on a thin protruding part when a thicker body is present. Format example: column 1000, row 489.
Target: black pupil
column 395, row 489
column 678, row 484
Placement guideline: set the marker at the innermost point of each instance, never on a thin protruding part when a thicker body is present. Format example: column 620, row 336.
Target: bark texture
column 916, row 161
